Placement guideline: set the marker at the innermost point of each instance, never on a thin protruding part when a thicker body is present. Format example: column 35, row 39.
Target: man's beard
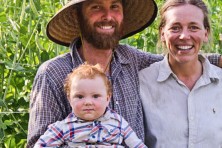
column 100, row 40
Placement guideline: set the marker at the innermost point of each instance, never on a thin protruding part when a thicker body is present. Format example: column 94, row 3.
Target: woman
column 182, row 95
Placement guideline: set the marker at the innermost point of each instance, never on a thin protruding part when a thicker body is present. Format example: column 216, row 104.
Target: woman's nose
column 185, row 34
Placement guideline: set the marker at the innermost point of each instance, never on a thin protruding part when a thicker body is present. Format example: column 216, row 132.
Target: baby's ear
column 109, row 97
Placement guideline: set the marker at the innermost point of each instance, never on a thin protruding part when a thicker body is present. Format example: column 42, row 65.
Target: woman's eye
column 175, row 28
column 194, row 28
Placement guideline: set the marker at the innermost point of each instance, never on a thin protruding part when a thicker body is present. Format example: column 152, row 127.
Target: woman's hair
column 174, row 3
column 87, row 71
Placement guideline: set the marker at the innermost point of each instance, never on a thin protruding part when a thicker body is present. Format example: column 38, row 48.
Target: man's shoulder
column 153, row 66
column 55, row 70
column 61, row 62
column 216, row 70
column 130, row 49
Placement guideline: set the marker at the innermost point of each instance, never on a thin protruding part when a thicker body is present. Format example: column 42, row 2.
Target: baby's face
column 88, row 98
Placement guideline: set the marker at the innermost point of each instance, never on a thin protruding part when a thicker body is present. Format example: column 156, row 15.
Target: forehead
column 101, row 2
column 83, row 80
column 184, row 13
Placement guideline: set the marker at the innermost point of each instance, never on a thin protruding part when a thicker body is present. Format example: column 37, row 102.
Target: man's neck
column 93, row 56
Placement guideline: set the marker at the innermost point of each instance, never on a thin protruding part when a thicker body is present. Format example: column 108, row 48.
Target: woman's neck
column 188, row 73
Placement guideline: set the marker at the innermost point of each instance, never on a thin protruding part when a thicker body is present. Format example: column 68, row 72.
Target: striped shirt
column 48, row 102
column 109, row 130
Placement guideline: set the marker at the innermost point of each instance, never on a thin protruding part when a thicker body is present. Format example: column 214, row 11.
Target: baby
column 91, row 123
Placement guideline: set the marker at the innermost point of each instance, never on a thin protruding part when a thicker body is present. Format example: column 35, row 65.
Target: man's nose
column 107, row 15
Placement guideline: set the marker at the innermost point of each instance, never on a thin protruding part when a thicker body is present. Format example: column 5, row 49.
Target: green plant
column 24, row 46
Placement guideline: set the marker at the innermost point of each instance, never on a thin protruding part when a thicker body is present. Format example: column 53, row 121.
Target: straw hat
column 63, row 27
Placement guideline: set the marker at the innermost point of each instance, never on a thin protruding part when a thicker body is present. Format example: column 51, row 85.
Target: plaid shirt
column 49, row 104
column 109, row 130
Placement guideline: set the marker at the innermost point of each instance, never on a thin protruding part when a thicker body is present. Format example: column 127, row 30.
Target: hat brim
column 63, row 28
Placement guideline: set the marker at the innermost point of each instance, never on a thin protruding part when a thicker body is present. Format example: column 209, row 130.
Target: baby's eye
column 79, row 96
column 96, row 96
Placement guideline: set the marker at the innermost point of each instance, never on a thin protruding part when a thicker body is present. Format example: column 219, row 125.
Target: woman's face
column 184, row 33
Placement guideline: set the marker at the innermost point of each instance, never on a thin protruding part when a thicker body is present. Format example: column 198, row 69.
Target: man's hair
column 87, row 71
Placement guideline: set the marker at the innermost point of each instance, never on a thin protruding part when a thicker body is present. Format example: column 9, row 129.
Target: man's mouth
column 106, row 27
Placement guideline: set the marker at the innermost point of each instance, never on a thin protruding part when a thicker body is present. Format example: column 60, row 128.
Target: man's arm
column 220, row 62
column 146, row 59
column 215, row 59
column 46, row 107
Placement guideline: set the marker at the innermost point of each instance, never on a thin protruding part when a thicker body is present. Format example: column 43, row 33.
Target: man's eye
column 115, row 6
column 96, row 7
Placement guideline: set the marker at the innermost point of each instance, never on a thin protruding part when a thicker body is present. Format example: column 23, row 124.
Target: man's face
column 101, row 22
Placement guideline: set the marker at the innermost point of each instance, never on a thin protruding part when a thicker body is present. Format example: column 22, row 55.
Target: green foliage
column 24, row 46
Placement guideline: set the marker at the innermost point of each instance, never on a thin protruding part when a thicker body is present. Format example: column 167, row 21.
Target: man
column 92, row 30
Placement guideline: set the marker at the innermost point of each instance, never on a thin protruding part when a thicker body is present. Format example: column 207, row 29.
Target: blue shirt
column 49, row 104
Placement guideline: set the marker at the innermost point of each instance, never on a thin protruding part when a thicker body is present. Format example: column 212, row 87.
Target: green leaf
column 44, row 56
column 2, row 134
column 1, row 103
column 3, row 17
column 33, row 7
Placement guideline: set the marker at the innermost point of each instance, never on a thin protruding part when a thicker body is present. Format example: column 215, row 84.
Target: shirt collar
column 165, row 70
column 109, row 114
column 208, row 73
column 119, row 53
column 74, row 52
